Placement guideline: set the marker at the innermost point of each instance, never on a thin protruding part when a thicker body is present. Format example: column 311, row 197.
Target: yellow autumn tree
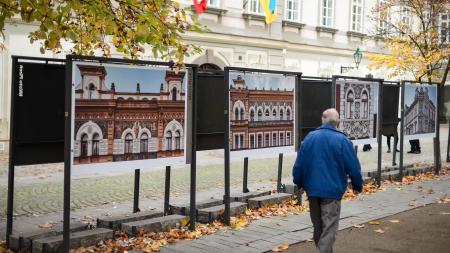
column 417, row 40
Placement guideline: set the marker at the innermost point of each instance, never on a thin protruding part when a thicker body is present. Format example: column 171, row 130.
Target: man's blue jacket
column 323, row 163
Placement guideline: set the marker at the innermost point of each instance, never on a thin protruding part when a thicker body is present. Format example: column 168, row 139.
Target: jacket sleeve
column 352, row 166
column 299, row 165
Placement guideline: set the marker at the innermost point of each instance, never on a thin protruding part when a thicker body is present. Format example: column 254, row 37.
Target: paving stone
column 184, row 209
column 115, row 222
column 157, row 224
column 78, row 239
column 210, row 214
column 23, row 241
column 244, row 197
column 268, row 200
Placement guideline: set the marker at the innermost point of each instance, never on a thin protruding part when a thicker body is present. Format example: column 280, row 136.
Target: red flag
column 200, row 7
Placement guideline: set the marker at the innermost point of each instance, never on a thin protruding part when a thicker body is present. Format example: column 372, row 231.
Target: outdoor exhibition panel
column 391, row 96
column 262, row 112
column 315, row 97
column 210, row 101
column 37, row 118
column 357, row 101
column 260, row 116
column 420, row 110
column 128, row 115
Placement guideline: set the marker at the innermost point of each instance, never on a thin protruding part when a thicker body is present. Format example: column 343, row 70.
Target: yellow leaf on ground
column 394, row 221
column 184, row 222
column 430, row 191
column 358, row 226
column 248, row 212
column 374, row 222
column 380, row 231
column 46, row 225
column 281, row 248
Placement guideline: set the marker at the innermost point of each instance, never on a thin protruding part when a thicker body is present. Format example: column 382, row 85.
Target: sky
column 260, row 80
column 126, row 78
column 410, row 92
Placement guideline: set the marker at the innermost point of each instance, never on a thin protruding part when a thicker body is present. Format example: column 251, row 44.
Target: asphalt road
column 425, row 229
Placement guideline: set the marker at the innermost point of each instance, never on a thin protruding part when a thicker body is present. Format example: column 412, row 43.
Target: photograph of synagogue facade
column 117, row 120
column 420, row 114
column 260, row 117
column 355, row 103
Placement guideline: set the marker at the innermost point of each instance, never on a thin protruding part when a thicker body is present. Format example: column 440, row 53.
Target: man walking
column 324, row 162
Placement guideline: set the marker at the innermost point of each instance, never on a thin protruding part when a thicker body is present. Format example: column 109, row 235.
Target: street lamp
column 357, row 56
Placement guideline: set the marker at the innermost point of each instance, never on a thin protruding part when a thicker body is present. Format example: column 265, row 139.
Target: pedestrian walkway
column 269, row 233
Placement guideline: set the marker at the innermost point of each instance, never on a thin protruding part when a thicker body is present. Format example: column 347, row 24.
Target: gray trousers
column 325, row 218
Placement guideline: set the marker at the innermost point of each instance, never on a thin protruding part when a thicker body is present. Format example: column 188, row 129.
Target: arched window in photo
column 95, row 143
column 84, row 145
column 350, row 99
column 267, row 115
column 236, row 114
column 144, row 143
column 91, row 91
column 259, row 115
column 169, row 140
column 365, row 104
column 288, row 114
column 252, row 115
column 177, row 140
column 274, row 114
column 281, row 114
column 129, row 143
column 241, row 114
column 174, row 94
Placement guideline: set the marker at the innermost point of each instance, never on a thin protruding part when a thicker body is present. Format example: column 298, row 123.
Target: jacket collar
column 330, row 127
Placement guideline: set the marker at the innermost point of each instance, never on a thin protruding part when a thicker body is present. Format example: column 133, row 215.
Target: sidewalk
column 424, row 229
column 266, row 234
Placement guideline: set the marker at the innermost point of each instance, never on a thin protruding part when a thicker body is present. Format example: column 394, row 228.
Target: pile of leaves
column 152, row 241
column 3, row 248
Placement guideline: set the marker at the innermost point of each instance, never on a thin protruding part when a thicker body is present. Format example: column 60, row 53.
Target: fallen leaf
column 184, row 222
column 46, row 225
column 374, row 222
column 284, row 246
column 430, row 191
column 394, row 221
column 358, row 226
column 380, row 231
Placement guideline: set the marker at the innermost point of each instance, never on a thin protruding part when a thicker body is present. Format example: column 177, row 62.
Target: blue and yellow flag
column 270, row 8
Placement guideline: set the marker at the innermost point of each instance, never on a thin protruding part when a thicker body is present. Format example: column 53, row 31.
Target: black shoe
column 397, row 150
column 389, row 151
column 417, row 152
column 410, row 152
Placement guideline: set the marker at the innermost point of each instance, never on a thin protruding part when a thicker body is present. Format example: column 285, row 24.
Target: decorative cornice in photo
column 250, row 16
column 356, row 34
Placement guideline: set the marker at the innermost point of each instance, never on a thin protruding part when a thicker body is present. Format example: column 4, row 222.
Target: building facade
column 260, row 118
column 420, row 116
column 118, row 126
column 315, row 37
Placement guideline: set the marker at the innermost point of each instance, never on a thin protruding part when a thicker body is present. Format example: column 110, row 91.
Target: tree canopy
column 100, row 26
column 417, row 39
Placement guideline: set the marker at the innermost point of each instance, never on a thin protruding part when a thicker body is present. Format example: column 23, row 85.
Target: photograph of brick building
column 357, row 104
column 420, row 109
column 125, row 113
column 261, row 111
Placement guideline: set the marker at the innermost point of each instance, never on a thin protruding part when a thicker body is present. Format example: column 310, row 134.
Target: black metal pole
column 67, row 154
column 167, row 191
column 245, row 181
column 379, row 130
column 227, row 148
column 437, row 146
column 402, row 133
column 448, row 143
column 394, row 149
column 137, row 177
column 193, row 172
column 280, row 171
column 356, row 149
column 10, row 201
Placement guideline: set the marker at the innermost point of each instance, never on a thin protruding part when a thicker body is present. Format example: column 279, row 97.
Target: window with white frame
column 357, row 15
column 326, row 13
column 292, row 10
column 384, row 16
column 445, row 27
column 254, row 7
column 214, row 3
column 405, row 16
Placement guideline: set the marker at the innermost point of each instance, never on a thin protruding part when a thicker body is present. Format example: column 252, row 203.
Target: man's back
column 325, row 159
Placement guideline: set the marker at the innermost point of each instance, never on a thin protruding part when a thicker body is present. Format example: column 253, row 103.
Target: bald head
column 330, row 116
